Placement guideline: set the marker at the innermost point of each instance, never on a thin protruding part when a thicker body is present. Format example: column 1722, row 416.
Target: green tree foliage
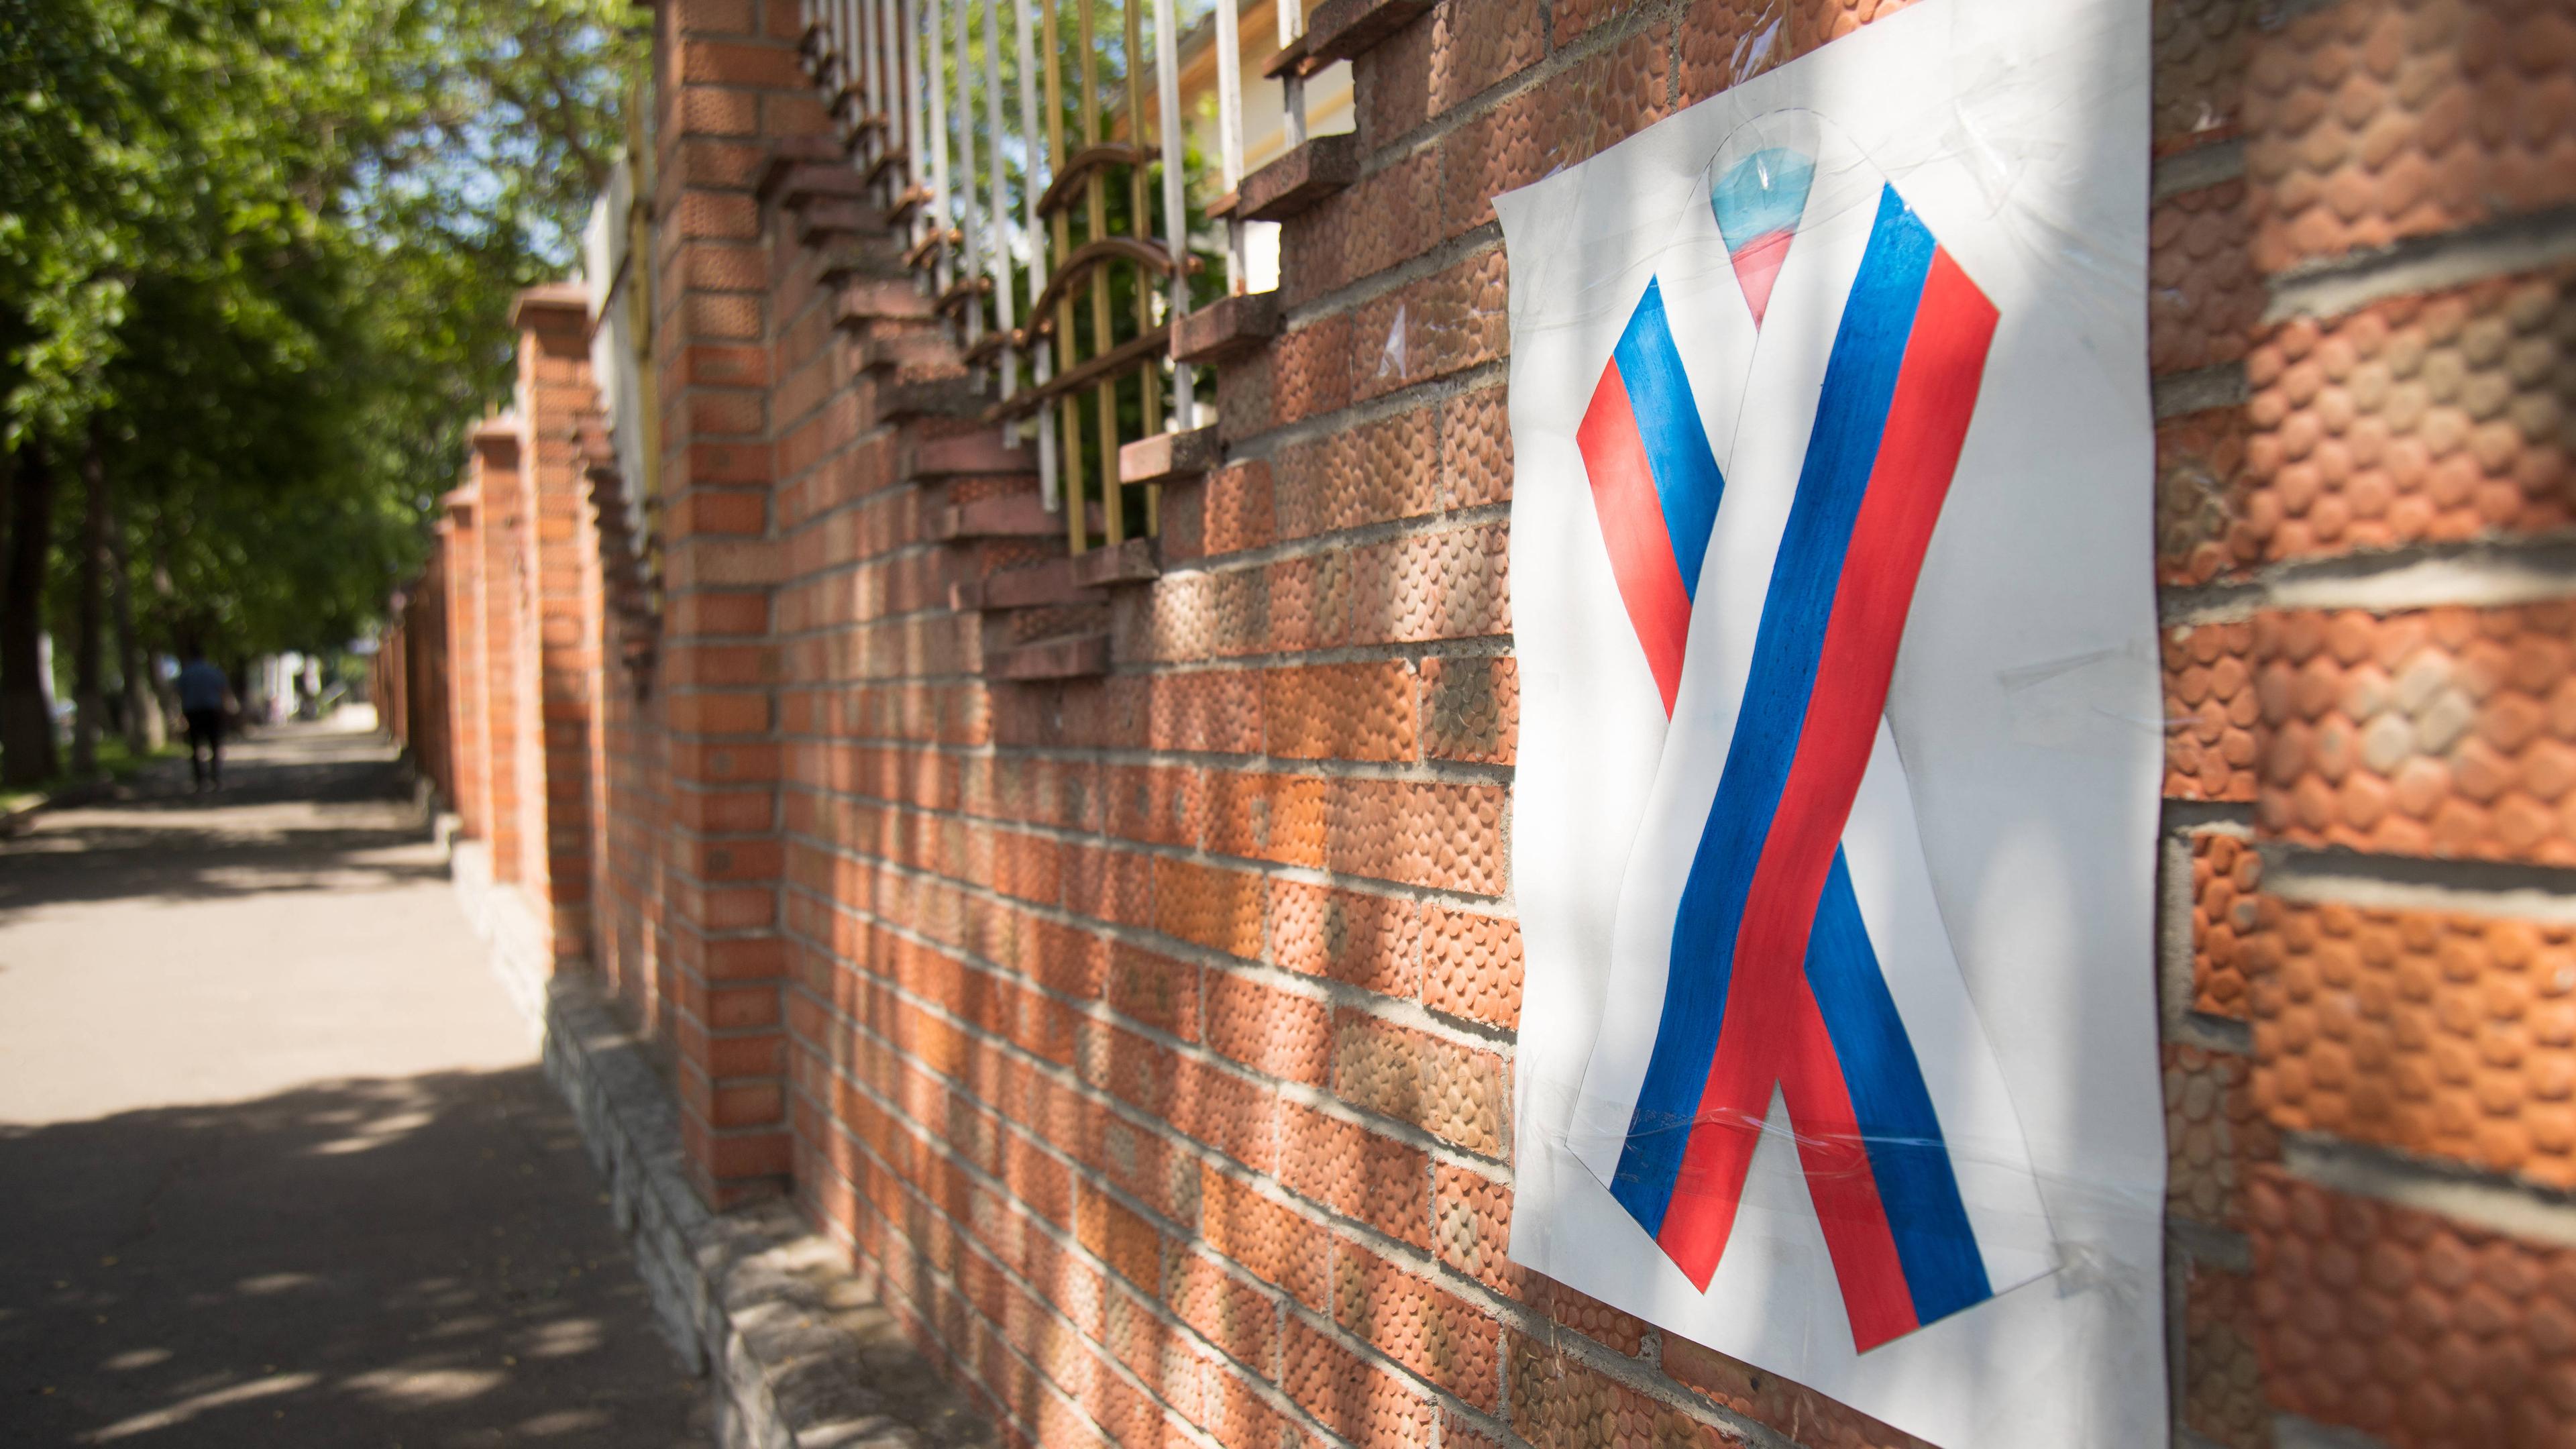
column 256, row 259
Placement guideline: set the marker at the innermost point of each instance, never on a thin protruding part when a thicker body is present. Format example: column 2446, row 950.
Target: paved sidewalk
column 276, row 1163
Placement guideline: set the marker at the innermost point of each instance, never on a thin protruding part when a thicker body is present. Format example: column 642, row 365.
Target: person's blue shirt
column 201, row 686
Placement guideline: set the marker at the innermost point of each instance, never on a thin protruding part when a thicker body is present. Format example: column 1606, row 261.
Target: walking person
column 203, row 690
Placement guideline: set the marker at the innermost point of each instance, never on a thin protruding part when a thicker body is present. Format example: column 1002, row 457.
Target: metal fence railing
column 1039, row 162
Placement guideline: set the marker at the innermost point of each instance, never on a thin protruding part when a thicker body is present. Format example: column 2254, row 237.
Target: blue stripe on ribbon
column 1943, row 1268
column 1687, row 481
column 1851, row 412
column 1764, row 193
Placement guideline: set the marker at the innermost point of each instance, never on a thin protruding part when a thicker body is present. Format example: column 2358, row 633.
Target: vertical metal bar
column 863, row 56
column 1140, row 215
column 827, row 71
column 935, row 86
column 853, row 70
column 1173, row 134
column 998, row 244
column 969, row 212
column 1033, row 175
column 1292, row 24
column 889, row 94
column 899, row 63
column 1229, row 135
column 836, row 37
column 845, row 44
column 1068, row 412
column 1096, row 212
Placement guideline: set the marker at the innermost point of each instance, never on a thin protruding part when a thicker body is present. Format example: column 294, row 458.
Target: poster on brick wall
column 1834, row 826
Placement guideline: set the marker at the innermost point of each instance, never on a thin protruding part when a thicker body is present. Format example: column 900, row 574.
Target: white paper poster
column 1834, row 826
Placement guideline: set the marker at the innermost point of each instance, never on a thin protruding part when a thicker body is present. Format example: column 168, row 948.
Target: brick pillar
column 425, row 652
column 730, row 81
column 468, row 722
column 555, row 390
column 500, row 602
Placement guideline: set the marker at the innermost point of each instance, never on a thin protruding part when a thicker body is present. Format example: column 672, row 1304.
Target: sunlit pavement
column 276, row 1163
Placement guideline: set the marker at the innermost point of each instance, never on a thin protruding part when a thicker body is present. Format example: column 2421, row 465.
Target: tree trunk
column 26, row 728
column 89, row 638
column 145, row 730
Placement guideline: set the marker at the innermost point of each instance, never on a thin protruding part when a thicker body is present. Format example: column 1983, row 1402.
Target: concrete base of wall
column 796, row 1350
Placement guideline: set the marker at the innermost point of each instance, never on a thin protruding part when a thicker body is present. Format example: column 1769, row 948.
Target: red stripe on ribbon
column 1773, row 1031
column 1633, row 528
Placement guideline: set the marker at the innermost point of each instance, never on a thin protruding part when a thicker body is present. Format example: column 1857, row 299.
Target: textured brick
column 1386, row 217
column 1476, row 43
column 1159, row 806
column 1471, row 708
column 2199, row 69
column 1237, row 511
column 2202, row 296
column 2437, row 418
column 1219, row 909
column 1419, row 1324
column 2367, row 122
column 2211, row 713
column 1366, row 940
column 1458, row 1094
column 1266, row 816
column 1310, row 372
column 2445, row 732
column 2224, row 873
column 1120, row 1237
column 1225, row 1310
column 1559, row 1403
column 1340, row 711
column 1353, row 1397
column 2421, row 1332
column 1431, row 327
column 1155, row 990
column 1451, row 585
column 1369, row 474
column 1356, row 1172
column 2212, row 1134
column 1448, row 836
column 1472, row 966
column 1267, row 1239
column 1581, row 111
column 2200, row 462
column 1476, row 449
column 1472, row 1229
column 2445, row 1035
column 2222, row 1377
column 1269, row 1030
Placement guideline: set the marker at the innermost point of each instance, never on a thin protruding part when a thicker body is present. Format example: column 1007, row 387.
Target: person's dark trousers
column 206, row 746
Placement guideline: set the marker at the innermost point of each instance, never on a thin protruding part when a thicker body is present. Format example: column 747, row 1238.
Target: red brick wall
column 410, row 676
column 2378, row 280
column 460, row 544
column 1148, row 1036
column 565, row 609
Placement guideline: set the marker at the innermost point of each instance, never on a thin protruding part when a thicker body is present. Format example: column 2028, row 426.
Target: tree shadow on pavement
column 298, row 812
column 408, row 1262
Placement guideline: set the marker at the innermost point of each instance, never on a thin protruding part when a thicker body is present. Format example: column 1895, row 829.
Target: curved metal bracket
column 960, row 293
column 1070, row 275
column 1079, row 166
